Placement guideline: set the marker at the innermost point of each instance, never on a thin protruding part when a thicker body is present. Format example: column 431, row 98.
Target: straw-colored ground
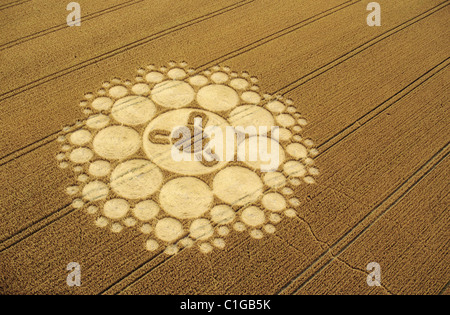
column 377, row 104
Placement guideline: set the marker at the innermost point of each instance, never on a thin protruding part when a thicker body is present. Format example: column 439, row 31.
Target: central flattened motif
column 158, row 141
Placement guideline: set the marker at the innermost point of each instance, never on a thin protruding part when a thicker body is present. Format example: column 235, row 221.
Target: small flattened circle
column 219, row 77
column 81, row 155
column 251, row 97
column 294, row 169
column 222, row 214
column 176, row 74
column 274, row 202
column 201, row 229
column 80, row 137
column 146, row 210
column 116, row 209
column 118, row 91
column 274, row 179
column 239, row 84
column 297, row 151
column 253, row 216
column 100, row 168
column 154, row 77
column 285, row 120
column 102, row 103
column 95, row 190
column 140, row 89
column 198, row 80
column 97, row 121
column 276, row 107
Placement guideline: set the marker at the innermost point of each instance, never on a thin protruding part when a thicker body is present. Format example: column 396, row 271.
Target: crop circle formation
column 125, row 176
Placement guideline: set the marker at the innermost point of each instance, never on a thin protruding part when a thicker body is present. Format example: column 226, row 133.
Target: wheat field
column 370, row 110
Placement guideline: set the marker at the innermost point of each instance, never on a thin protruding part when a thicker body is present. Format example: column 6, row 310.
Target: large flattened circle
column 133, row 110
column 217, row 97
column 158, row 146
column 116, row 142
column 261, row 153
column 186, row 198
column 237, row 185
column 252, row 116
column 173, row 94
column 136, row 179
